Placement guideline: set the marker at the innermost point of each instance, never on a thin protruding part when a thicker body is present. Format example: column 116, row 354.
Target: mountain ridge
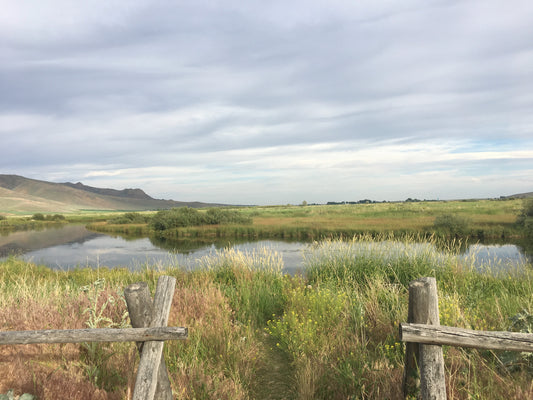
column 127, row 193
column 20, row 195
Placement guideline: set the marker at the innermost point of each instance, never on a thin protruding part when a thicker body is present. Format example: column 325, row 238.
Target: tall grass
column 255, row 333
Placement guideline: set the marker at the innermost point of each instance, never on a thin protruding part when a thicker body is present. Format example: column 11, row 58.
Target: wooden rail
column 93, row 335
column 446, row 335
column 149, row 320
column 424, row 337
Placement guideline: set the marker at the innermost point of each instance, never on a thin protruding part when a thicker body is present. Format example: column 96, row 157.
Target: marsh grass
column 486, row 219
column 255, row 333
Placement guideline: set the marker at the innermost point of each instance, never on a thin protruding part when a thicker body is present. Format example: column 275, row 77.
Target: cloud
column 265, row 102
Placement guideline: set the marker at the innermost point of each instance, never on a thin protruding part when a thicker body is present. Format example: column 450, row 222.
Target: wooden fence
column 149, row 329
column 424, row 337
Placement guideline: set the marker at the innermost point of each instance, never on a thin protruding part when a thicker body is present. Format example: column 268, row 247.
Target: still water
column 74, row 246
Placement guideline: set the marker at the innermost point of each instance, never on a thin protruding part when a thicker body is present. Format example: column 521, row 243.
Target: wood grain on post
column 150, row 364
column 141, row 309
column 446, row 335
column 424, row 309
column 411, row 377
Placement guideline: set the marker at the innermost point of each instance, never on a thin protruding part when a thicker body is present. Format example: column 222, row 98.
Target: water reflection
column 496, row 256
column 74, row 246
column 21, row 242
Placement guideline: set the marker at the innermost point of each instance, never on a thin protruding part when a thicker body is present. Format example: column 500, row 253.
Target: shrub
column 185, row 216
column 525, row 218
column 130, row 218
column 175, row 218
column 49, row 217
column 451, row 224
column 215, row 216
column 38, row 217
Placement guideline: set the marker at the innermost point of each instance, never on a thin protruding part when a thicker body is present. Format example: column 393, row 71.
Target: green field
column 476, row 219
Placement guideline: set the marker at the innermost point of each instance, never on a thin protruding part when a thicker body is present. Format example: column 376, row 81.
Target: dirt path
column 275, row 381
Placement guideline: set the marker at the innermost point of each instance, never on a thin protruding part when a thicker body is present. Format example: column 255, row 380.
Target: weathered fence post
column 424, row 309
column 152, row 377
column 140, row 309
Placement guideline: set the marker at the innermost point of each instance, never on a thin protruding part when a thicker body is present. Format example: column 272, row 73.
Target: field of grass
column 480, row 219
column 380, row 217
column 255, row 333
column 477, row 219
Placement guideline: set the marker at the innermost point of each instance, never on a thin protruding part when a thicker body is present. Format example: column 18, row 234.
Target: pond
column 74, row 246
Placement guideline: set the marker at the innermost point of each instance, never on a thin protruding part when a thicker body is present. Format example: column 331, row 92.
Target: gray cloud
column 244, row 96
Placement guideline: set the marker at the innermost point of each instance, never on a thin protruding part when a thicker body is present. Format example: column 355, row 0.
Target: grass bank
column 255, row 333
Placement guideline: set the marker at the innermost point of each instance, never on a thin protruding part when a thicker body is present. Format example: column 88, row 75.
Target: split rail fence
column 424, row 337
column 149, row 329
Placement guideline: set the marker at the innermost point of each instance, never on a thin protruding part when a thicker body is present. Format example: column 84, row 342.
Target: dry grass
column 353, row 222
column 45, row 370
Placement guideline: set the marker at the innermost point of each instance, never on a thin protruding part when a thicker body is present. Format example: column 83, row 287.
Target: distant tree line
column 368, row 201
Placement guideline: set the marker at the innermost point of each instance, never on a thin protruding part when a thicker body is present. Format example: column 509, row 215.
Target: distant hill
column 125, row 193
column 23, row 195
column 521, row 195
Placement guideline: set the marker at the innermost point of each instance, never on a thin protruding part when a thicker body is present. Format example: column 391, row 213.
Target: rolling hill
column 20, row 195
column 522, row 195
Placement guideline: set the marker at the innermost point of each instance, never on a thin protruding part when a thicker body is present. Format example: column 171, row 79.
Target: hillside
column 19, row 195
column 521, row 195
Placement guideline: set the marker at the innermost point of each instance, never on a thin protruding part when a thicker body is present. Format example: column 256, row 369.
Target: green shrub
column 525, row 218
column 452, row 224
column 216, row 216
column 185, row 216
column 38, row 217
column 130, row 218
column 526, row 212
column 175, row 218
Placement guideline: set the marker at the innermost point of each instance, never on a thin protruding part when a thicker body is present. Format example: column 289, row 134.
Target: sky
column 270, row 102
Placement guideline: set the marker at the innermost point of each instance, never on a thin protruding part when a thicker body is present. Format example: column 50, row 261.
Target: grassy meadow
column 476, row 219
column 255, row 333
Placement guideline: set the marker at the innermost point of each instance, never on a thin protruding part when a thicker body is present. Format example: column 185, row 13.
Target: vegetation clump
column 452, row 224
column 525, row 218
column 130, row 218
column 50, row 217
column 185, row 216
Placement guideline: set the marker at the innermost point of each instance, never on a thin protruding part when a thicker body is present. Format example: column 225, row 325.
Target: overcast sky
column 270, row 102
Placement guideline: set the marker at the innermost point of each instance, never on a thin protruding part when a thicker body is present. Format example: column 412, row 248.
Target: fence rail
column 94, row 335
column 424, row 337
column 149, row 320
column 446, row 335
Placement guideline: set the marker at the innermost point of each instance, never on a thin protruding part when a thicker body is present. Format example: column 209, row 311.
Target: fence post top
column 423, row 281
column 136, row 286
